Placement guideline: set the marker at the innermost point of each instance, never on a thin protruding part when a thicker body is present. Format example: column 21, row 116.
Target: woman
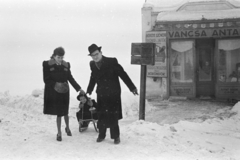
column 56, row 75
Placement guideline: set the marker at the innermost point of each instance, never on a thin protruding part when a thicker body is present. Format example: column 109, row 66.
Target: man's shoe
column 100, row 139
column 59, row 137
column 117, row 141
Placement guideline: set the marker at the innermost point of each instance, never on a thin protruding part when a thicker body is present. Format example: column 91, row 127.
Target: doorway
column 205, row 80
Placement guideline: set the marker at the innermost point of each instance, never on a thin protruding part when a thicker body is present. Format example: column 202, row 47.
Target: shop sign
column 160, row 67
column 228, row 90
column 143, row 53
column 204, row 33
column 182, row 91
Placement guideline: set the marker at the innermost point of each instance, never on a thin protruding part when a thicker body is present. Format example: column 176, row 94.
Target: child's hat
column 80, row 95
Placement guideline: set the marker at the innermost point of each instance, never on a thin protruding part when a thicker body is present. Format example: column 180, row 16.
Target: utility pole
column 142, row 101
column 143, row 54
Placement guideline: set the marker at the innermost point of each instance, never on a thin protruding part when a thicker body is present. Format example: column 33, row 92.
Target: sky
column 31, row 29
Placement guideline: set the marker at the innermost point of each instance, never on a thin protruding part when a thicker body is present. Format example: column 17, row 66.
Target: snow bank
column 130, row 105
column 23, row 124
column 236, row 108
column 27, row 103
column 37, row 92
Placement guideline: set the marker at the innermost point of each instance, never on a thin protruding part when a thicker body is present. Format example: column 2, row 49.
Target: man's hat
column 93, row 48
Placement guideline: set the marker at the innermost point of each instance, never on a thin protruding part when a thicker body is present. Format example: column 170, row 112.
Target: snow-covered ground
column 173, row 130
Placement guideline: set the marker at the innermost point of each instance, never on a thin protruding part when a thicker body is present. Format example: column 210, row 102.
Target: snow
column 180, row 129
column 193, row 15
column 236, row 108
column 170, row 4
column 174, row 5
column 165, row 5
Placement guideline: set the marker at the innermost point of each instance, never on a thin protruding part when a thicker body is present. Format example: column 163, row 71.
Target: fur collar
column 52, row 62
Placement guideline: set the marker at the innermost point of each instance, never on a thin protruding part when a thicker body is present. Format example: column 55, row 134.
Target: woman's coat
column 108, row 89
column 57, row 103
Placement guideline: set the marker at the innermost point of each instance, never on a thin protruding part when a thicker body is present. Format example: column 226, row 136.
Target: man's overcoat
column 108, row 89
column 56, row 103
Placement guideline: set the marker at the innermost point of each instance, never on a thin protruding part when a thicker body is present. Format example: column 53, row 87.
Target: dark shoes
column 117, row 141
column 59, row 137
column 68, row 132
column 100, row 139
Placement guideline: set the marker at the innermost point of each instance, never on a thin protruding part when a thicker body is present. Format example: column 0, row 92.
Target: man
column 105, row 73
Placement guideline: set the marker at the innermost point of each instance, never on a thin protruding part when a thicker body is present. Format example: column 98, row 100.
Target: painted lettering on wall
column 225, row 90
column 155, row 34
column 160, row 67
column 204, row 33
column 181, row 91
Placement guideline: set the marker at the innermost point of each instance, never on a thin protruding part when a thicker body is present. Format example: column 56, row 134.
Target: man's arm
column 124, row 76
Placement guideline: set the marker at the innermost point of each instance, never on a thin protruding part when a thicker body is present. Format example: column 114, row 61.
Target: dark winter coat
column 57, row 103
column 85, row 113
column 108, row 89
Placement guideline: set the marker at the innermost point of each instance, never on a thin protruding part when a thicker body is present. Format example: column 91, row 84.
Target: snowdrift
column 28, row 134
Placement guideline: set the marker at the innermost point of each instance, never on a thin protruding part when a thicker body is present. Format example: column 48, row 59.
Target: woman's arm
column 72, row 81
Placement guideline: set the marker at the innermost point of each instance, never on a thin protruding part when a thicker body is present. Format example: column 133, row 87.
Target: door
column 205, row 81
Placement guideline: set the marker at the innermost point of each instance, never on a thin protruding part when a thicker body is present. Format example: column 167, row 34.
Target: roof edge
column 158, row 7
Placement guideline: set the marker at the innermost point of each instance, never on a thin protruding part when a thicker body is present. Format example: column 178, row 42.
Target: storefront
column 198, row 50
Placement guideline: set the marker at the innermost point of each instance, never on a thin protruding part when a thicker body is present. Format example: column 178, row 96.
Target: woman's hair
column 58, row 51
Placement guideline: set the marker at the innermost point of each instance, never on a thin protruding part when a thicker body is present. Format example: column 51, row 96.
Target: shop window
column 229, row 61
column 181, row 62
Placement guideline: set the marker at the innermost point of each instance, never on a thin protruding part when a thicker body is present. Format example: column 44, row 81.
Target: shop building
column 197, row 49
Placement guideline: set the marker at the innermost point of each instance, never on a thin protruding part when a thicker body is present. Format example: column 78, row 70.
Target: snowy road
column 28, row 134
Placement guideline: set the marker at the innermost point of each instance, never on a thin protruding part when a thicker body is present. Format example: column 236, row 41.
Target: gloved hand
column 81, row 91
column 134, row 91
column 81, row 105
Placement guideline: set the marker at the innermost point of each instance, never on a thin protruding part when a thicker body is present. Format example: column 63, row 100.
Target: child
column 87, row 111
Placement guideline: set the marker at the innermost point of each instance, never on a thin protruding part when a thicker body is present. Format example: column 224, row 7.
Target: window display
column 181, row 61
column 229, row 61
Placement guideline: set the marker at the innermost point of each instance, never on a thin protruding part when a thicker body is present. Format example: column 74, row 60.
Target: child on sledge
column 87, row 110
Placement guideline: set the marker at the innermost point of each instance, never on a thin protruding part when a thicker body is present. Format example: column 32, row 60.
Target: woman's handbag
column 61, row 87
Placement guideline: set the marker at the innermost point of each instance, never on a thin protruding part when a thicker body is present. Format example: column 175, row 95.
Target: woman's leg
column 59, row 118
column 66, row 118
column 67, row 129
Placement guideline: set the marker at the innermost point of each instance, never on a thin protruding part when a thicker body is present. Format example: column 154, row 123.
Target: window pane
column 229, row 61
column 181, row 62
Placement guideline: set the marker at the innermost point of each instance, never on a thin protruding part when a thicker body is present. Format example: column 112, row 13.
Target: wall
column 156, row 86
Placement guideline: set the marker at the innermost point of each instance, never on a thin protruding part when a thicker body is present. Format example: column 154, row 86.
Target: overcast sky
column 31, row 29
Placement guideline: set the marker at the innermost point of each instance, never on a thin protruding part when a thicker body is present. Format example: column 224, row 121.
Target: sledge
column 83, row 123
